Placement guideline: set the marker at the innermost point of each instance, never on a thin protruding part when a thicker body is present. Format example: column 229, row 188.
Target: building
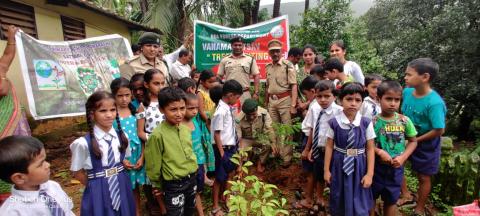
column 58, row 20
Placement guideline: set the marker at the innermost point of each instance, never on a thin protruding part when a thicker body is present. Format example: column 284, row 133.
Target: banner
column 212, row 42
column 59, row 76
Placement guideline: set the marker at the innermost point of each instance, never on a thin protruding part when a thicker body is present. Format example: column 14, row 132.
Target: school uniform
column 108, row 190
column 370, row 108
column 50, row 199
column 427, row 113
column 347, row 195
column 317, row 120
column 224, row 121
column 171, row 166
column 391, row 137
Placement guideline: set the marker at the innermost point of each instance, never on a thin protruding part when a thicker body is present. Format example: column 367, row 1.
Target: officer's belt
column 280, row 96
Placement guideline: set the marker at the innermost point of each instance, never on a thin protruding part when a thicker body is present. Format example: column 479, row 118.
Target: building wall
column 49, row 27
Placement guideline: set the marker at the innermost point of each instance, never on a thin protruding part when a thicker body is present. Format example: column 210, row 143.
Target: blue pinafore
column 347, row 195
column 96, row 197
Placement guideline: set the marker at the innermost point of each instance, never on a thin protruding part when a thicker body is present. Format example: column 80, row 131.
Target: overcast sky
column 267, row 2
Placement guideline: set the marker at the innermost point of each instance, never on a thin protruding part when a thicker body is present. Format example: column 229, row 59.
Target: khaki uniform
column 280, row 77
column 263, row 125
column 140, row 64
column 239, row 69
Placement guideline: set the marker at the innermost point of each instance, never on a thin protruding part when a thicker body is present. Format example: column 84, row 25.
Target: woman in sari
column 12, row 118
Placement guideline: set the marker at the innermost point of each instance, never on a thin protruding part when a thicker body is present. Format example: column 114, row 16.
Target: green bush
column 458, row 180
column 250, row 196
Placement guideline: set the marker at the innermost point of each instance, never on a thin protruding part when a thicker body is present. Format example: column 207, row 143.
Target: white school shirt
column 353, row 69
column 223, row 121
column 344, row 124
column 180, row 70
column 29, row 203
column 81, row 156
column 367, row 107
column 310, row 121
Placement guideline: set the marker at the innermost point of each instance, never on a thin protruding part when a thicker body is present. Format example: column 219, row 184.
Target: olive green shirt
column 169, row 154
column 262, row 124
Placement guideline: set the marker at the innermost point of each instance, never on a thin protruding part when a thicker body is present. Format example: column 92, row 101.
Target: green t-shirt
column 391, row 133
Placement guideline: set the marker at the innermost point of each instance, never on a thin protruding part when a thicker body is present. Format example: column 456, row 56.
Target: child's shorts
column 387, row 182
column 306, row 164
column 426, row 157
column 318, row 170
column 200, row 178
column 223, row 166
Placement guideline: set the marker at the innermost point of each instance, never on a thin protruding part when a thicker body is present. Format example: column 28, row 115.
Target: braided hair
column 92, row 104
column 204, row 76
column 147, row 79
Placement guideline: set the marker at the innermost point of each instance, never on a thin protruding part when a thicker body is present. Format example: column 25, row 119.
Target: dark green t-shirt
column 391, row 133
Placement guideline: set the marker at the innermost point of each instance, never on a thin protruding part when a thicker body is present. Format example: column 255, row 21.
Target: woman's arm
column 6, row 60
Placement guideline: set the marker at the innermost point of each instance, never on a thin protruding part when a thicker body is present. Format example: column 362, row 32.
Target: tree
column 307, row 5
column 276, row 8
column 448, row 31
column 323, row 24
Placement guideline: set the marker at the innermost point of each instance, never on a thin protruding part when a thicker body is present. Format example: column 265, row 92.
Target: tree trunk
column 255, row 9
column 182, row 20
column 276, row 8
column 144, row 6
column 307, row 5
column 245, row 6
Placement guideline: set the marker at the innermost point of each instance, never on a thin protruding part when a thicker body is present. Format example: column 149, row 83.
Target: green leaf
column 248, row 163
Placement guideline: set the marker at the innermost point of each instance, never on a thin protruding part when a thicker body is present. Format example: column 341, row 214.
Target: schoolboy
column 307, row 88
column 392, row 130
column 316, row 122
column 187, row 84
column 370, row 106
column 334, row 72
column 226, row 139
column 427, row 110
column 22, row 162
column 170, row 162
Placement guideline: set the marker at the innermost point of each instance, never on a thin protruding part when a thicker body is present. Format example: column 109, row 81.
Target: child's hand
column 310, row 155
column 327, row 176
column 305, row 154
column 367, row 181
column 127, row 165
column 139, row 164
column 384, row 156
column 398, row 161
column 156, row 192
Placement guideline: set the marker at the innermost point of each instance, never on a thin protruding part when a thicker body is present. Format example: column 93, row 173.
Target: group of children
column 359, row 149
column 165, row 139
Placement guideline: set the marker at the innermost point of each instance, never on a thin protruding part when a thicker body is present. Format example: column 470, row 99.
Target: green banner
column 212, row 42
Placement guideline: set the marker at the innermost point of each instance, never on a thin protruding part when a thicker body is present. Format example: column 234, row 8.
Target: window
column 73, row 29
column 20, row 15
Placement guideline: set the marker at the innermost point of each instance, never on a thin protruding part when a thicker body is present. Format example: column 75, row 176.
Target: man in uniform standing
column 240, row 67
column 281, row 94
column 149, row 44
column 255, row 129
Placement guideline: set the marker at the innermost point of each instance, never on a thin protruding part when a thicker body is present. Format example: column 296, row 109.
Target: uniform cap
column 249, row 106
column 274, row 45
column 149, row 38
column 236, row 39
